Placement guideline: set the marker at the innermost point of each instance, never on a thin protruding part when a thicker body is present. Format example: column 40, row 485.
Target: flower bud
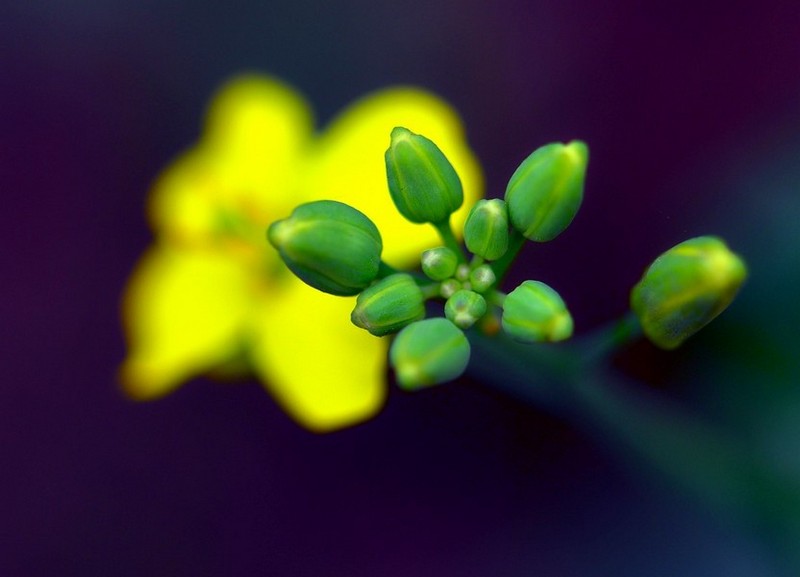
column 439, row 263
column 533, row 312
column 545, row 192
column 429, row 352
column 389, row 305
column 330, row 246
column 423, row 184
column 482, row 278
column 486, row 229
column 686, row 288
column 464, row 308
column 449, row 287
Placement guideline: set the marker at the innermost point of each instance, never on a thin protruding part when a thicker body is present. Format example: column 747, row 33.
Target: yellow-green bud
column 423, row 184
column 482, row 278
column 464, row 308
column 330, row 246
column 429, row 352
column 486, row 229
column 545, row 192
column 533, row 312
column 439, row 263
column 686, row 288
column 389, row 305
column 449, row 287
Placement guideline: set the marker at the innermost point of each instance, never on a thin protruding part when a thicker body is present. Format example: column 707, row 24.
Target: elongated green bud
column 389, row 305
column 330, row 246
column 429, row 352
column 486, row 229
column 439, row 263
column 686, row 288
column 545, row 192
column 464, row 308
column 533, row 312
column 482, row 278
column 423, row 184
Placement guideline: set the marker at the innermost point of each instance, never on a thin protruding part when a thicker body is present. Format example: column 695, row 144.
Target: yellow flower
column 211, row 293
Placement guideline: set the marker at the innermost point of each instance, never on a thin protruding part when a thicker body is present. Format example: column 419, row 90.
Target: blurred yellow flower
column 211, row 294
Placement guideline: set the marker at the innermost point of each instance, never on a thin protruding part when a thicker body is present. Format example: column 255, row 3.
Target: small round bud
column 429, row 352
column 439, row 263
column 462, row 272
column 533, row 312
column 545, row 192
column 482, row 278
column 423, row 184
column 449, row 287
column 464, row 308
column 330, row 246
column 686, row 288
column 486, row 229
column 389, row 305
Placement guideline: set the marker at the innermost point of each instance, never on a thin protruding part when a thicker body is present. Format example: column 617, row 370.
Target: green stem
column 645, row 427
column 598, row 346
column 496, row 297
column 501, row 265
column 446, row 232
column 430, row 290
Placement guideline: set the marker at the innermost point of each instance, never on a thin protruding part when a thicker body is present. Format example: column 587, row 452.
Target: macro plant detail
column 210, row 298
column 336, row 249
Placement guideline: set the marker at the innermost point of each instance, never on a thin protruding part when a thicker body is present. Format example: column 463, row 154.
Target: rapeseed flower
column 210, row 296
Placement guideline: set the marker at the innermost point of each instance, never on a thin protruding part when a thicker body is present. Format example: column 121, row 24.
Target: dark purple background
column 95, row 98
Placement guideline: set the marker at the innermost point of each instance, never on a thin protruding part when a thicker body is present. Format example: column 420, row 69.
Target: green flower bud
column 439, row 263
column 686, row 288
column 533, row 312
column 389, row 305
column 429, row 352
column 449, row 287
column 464, row 308
column 423, row 184
column 545, row 192
column 330, row 246
column 486, row 229
column 482, row 278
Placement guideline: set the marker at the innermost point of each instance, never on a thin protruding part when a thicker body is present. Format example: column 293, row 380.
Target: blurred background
column 692, row 114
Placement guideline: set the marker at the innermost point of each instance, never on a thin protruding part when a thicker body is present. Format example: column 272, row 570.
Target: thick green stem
column 449, row 239
column 644, row 426
column 501, row 265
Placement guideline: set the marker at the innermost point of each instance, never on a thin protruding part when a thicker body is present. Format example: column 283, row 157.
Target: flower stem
column 446, row 232
column 501, row 265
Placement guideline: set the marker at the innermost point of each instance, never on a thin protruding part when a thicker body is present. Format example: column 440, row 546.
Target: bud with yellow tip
column 686, row 288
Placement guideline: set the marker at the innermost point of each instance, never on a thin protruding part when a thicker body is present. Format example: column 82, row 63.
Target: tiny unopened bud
column 429, row 352
column 330, row 246
column 423, row 184
column 464, row 308
column 449, row 287
column 389, row 305
column 486, row 229
column 439, row 263
column 482, row 278
column 545, row 192
column 686, row 288
column 533, row 312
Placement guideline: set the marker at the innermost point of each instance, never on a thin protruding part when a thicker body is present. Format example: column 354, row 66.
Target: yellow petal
column 184, row 313
column 243, row 172
column 347, row 164
column 325, row 372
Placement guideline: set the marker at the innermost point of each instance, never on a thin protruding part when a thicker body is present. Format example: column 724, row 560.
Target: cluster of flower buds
column 337, row 249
